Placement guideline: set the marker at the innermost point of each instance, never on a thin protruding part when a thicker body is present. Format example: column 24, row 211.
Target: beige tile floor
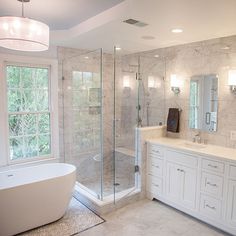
column 150, row 218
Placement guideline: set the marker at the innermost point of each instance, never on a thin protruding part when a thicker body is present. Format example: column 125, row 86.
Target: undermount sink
column 194, row 145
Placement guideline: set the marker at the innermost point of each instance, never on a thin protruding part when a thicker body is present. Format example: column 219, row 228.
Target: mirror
column 203, row 102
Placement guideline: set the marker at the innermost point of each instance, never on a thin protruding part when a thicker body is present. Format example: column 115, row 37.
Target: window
column 194, row 104
column 29, row 112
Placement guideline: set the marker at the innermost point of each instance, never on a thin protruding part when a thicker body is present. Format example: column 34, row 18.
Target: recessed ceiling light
column 148, row 37
column 86, row 57
column 156, row 56
column 178, row 30
column 118, row 48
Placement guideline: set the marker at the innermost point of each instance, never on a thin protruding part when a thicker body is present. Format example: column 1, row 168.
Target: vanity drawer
column 210, row 206
column 213, row 166
column 212, row 184
column 154, row 185
column 232, row 171
column 155, row 150
column 182, row 158
column 155, row 167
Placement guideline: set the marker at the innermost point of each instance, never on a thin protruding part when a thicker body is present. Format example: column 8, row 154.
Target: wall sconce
column 232, row 80
column 174, row 84
column 126, row 81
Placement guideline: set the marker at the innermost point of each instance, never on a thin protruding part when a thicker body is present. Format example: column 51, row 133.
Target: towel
column 173, row 120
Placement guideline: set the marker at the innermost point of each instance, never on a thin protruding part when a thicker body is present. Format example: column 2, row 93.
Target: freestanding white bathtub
column 34, row 196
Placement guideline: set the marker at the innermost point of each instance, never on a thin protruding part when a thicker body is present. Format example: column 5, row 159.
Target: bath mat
column 78, row 218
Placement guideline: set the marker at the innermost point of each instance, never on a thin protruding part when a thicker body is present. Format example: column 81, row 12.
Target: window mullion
column 37, row 133
column 22, row 117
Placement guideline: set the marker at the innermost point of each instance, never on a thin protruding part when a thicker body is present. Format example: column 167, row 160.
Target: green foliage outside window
column 28, row 111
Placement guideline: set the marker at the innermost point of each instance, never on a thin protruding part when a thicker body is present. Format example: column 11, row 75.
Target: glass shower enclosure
column 82, row 118
column 95, row 125
column 105, row 97
column 151, row 91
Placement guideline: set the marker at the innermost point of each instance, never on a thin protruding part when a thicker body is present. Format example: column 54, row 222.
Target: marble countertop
column 206, row 150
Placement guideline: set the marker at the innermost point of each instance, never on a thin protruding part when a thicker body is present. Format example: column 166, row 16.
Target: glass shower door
column 125, row 92
column 151, row 91
column 82, row 118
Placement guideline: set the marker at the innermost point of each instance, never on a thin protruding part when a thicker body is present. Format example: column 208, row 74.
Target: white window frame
column 52, row 65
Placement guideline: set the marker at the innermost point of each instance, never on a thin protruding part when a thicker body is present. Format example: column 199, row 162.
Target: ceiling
column 58, row 14
column 91, row 24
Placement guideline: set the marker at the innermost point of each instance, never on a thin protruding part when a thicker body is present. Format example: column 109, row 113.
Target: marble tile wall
column 206, row 57
column 214, row 56
column 126, row 101
column 152, row 99
column 139, row 69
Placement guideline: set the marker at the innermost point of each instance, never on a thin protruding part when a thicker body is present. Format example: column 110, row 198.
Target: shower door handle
column 208, row 118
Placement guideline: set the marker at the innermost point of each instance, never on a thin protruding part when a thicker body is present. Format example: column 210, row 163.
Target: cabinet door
column 173, row 183
column 231, row 203
column 189, row 186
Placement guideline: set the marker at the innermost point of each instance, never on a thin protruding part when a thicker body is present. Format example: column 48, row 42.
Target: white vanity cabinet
column 231, row 201
column 181, row 184
column 201, row 185
column 231, row 206
column 212, row 186
column 155, row 170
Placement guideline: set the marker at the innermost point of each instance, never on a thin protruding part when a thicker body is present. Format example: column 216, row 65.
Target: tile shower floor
column 122, row 183
column 124, row 174
column 151, row 218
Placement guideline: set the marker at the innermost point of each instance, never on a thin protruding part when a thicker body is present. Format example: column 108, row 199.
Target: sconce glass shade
column 174, row 84
column 174, row 81
column 126, row 81
column 151, row 82
column 20, row 33
column 232, row 77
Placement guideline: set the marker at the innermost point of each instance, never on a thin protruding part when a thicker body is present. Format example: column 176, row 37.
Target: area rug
column 78, row 218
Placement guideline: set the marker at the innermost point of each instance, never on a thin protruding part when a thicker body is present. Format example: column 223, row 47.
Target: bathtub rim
column 73, row 169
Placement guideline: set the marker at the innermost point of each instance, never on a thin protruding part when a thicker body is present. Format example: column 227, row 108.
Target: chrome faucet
column 197, row 138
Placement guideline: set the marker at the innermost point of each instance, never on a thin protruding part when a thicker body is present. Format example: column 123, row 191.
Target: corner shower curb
column 107, row 205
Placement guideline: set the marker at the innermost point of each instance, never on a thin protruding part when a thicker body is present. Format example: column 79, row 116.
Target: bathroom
column 87, row 139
